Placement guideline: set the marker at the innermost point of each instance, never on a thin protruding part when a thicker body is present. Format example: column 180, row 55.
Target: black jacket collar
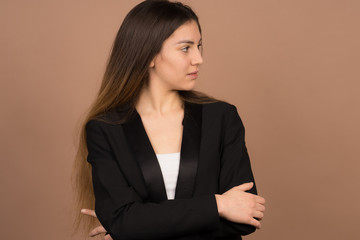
column 144, row 154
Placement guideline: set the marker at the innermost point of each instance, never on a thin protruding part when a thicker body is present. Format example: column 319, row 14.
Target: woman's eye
column 185, row 49
column 199, row 46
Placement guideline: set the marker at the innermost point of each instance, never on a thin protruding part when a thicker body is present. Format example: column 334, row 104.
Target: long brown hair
column 137, row 42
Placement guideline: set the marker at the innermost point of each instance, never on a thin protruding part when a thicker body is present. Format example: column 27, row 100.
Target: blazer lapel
column 144, row 154
column 190, row 147
column 143, row 151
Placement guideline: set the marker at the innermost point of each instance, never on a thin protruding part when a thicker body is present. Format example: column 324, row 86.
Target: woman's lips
column 193, row 74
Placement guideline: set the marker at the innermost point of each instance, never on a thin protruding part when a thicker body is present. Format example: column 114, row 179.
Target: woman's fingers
column 260, row 207
column 259, row 199
column 108, row 237
column 258, row 215
column 99, row 229
column 245, row 186
column 88, row 212
column 96, row 231
column 239, row 206
column 255, row 223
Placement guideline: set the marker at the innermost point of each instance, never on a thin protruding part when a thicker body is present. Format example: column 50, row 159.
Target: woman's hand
column 239, row 206
column 99, row 229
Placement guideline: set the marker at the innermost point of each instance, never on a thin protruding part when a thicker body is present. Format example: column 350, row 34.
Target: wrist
column 219, row 203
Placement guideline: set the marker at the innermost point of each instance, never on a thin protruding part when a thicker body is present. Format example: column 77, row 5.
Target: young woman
column 157, row 159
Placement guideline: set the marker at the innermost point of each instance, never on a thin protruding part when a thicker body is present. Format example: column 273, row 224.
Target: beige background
column 291, row 67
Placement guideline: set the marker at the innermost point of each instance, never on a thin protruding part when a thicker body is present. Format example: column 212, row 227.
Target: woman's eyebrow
column 187, row 41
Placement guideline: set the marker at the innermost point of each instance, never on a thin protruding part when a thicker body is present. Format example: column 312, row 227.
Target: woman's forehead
column 188, row 32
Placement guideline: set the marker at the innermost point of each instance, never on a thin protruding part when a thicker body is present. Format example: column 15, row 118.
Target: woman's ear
column 152, row 64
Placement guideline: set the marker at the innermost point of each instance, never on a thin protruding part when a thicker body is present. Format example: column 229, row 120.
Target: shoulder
column 220, row 108
column 112, row 117
column 223, row 113
column 105, row 124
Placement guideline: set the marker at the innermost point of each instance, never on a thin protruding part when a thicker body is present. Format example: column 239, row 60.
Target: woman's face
column 179, row 57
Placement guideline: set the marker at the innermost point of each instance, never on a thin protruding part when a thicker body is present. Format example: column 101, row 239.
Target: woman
column 165, row 161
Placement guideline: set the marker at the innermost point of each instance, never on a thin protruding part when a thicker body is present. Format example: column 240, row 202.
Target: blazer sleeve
column 125, row 215
column 235, row 168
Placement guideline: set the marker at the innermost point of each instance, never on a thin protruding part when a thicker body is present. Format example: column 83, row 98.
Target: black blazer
column 130, row 195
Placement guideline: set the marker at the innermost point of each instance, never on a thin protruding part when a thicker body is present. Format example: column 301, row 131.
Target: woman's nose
column 197, row 58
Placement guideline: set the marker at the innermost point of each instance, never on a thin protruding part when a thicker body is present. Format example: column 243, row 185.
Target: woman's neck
column 159, row 102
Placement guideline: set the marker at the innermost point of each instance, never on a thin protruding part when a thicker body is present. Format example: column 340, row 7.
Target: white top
column 169, row 164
